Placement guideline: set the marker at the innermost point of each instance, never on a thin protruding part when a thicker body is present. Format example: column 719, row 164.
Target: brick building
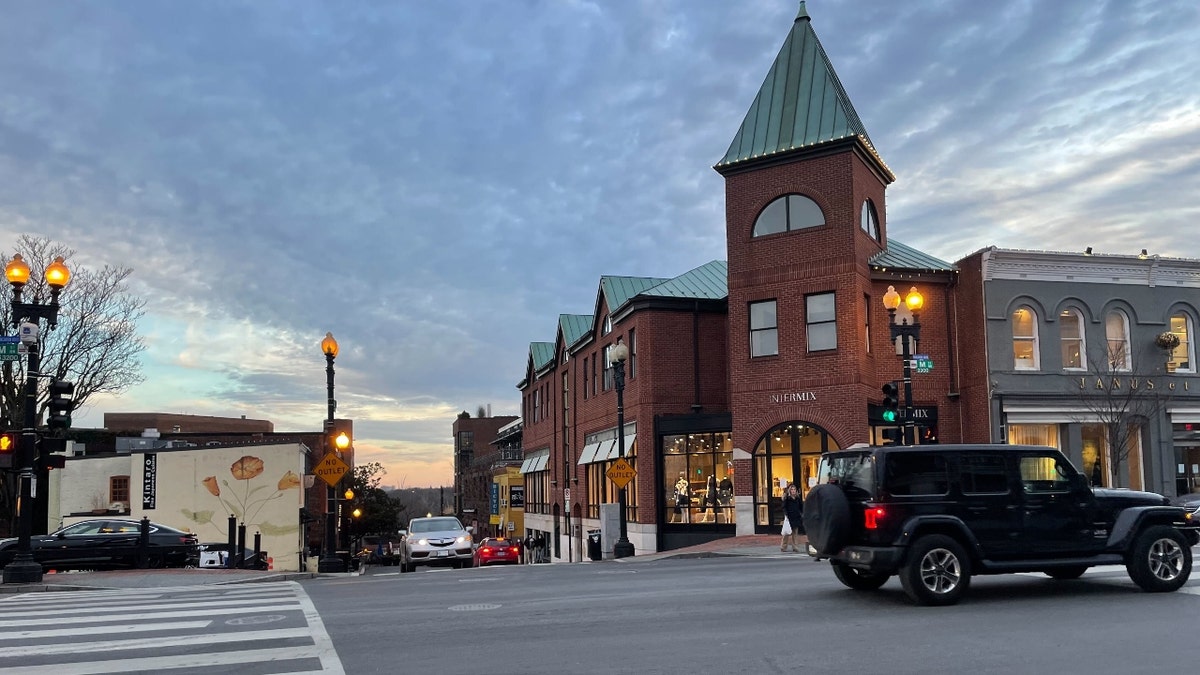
column 474, row 457
column 742, row 373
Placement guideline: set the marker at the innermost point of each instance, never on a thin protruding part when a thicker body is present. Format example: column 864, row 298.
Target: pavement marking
column 159, row 663
column 105, row 618
column 155, row 642
column 116, row 627
column 386, row 574
column 172, row 603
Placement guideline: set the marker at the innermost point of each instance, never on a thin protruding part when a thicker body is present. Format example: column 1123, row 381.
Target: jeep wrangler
column 937, row 515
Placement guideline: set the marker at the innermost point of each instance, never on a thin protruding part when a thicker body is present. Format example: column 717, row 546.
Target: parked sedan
column 494, row 550
column 1192, row 504
column 106, row 542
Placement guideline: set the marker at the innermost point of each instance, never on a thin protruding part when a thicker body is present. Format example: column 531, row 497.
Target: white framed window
column 764, row 329
column 1071, row 337
column 787, row 213
column 821, row 318
column 1182, row 359
column 1025, row 339
column 1116, row 330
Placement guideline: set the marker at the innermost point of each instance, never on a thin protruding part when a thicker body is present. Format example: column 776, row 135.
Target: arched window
column 790, row 212
column 1025, row 339
column 1116, row 330
column 1070, row 332
column 1182, row 359
column 870, row 219
column 789, row 453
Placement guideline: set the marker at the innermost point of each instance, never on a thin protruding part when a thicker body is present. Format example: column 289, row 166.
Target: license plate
column 443, row 554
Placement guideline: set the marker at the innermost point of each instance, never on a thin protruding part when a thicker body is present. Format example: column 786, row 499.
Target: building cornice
column 1051, row 266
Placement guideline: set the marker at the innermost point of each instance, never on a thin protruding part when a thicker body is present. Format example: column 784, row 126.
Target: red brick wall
column 972, row 339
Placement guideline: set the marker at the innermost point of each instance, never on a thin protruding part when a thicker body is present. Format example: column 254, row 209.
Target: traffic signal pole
column 23, row 569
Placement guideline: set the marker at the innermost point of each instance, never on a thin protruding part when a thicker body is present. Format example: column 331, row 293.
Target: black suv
column 936, row 515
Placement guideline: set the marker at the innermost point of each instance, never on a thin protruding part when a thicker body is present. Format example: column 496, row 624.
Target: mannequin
column 682, row 494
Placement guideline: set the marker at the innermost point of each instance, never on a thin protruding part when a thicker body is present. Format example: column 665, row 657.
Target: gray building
column 1096, row 355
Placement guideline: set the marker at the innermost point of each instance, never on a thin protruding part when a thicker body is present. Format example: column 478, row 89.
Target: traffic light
column 891, row 436
column 50, row 453
column 891, row 402
column 61, row 404
column 8, row 449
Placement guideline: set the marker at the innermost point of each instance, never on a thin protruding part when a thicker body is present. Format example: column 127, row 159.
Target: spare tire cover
column 827, row 518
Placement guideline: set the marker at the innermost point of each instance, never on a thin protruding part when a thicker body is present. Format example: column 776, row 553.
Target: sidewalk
column 746, row 545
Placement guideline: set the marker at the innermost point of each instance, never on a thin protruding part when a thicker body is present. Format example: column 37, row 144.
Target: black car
column 937, row 515
column 106, row 542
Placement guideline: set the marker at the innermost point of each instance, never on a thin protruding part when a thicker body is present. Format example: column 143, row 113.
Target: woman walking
column 793, row 518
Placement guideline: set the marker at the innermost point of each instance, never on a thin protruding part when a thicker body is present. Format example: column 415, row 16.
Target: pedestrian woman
column 793, row 518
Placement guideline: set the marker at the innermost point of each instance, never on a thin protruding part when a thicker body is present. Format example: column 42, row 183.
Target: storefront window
column 698, row 478
column 1187, row 457
column 1033, row 434
column 1098, row 460
column 789, row 453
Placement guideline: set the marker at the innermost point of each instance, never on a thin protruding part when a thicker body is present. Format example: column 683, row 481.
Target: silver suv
column 440, row 540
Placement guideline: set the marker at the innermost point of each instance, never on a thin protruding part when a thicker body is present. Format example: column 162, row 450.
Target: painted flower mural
column 245, row 498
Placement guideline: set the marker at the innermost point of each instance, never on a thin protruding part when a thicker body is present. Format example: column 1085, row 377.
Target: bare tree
column 1122, row 397
column 95, row 345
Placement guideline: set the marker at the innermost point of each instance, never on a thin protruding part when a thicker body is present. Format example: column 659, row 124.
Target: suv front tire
column 1161, row 560
column 937, row 571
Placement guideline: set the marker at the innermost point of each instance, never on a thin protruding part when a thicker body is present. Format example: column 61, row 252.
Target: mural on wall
column 246, row 497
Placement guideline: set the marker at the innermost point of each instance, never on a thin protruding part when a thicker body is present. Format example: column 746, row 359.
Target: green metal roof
column 574, row 326
column 618, row 290
column 899, row 256
column 800, row 104
column 710, row 281
column 542, row 354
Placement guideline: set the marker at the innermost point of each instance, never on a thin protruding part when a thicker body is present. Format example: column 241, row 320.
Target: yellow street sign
column 331, row 469
column 620, row 473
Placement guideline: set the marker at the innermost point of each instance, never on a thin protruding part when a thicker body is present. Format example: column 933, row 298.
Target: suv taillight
column 871, row 517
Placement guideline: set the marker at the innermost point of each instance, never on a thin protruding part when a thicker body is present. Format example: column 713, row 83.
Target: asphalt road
column 778, row 614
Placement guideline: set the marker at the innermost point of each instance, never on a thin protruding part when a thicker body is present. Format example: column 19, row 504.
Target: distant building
column 178, row 423
column 474, row 457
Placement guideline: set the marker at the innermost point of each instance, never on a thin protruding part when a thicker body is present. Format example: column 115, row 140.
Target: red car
column 494, row 550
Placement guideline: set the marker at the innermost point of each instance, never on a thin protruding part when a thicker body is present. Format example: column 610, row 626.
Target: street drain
column 473, row 608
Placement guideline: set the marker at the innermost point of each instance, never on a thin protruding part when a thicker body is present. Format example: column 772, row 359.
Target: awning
column 536, row 461
column 608, row 450
column 588, row 455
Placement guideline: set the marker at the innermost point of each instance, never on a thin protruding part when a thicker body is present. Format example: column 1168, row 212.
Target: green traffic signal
column 889, row 415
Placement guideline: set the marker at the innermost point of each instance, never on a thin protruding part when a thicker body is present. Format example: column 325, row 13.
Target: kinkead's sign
column 149, row 479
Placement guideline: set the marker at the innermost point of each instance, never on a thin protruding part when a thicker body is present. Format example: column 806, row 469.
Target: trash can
column 593, row 545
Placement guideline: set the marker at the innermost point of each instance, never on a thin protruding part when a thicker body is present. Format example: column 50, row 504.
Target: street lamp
column 26, row 317
column 330, row 562
column 616, row 357
column 905, row 331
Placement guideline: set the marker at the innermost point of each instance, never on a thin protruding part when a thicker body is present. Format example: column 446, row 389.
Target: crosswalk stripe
column 112, row 627
column 135, row 607
column 154, row 643
column 157, row 663
column 103, row 618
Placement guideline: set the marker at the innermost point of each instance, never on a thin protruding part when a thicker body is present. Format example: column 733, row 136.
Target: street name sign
column 923, row 363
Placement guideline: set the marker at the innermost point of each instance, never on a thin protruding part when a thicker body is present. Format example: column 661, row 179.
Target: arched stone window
column 1071, row 337
column 1182, row 358
column 1116, row 330
column 1025, row 339
column 870, row 219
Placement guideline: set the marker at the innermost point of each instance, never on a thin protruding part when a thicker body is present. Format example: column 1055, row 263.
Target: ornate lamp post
column 330, row 562
column 910, row 334
column 623, row 548
column 26, row 318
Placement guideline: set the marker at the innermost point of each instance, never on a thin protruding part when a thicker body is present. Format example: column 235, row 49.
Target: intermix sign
column 149, row 480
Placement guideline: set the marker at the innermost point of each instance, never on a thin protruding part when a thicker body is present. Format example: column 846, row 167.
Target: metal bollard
column 232, row 540
column 143, row 543
column 257, row 549
column 241, row 546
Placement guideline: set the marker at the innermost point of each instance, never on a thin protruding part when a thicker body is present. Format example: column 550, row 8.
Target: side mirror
column 1080, row 482
column 471, row 529
column 403, row 533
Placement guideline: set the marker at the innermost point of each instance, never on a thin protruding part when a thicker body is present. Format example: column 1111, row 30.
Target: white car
column 440, row 540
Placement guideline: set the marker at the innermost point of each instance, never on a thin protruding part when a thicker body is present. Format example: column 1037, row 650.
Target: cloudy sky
column 435, row 182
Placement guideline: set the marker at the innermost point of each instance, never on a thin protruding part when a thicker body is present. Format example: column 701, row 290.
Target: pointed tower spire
column 803, row 13
column 801, row 104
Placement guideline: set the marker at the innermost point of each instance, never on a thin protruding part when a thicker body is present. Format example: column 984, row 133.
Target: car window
column 1044, row 474
column 917, row 473
column 854, row 472
column 435, row 525
column 983, row 474
column 88, row 527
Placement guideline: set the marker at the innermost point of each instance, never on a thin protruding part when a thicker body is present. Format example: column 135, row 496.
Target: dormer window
column 790, row 212
column 870, row 219
column 607, row 328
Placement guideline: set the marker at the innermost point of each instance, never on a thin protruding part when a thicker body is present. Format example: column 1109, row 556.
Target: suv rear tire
column 1066, row 573
column 1161, row 560
column 827, row 518
column 857, row 579
column 936, row 572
